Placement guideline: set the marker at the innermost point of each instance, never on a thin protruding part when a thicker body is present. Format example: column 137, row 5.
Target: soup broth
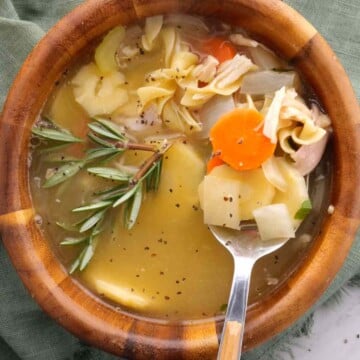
column 168, row 265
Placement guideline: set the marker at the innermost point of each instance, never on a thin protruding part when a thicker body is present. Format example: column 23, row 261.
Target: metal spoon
column 246, row 247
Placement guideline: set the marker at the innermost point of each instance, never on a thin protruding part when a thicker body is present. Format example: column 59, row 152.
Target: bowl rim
column 95, row 321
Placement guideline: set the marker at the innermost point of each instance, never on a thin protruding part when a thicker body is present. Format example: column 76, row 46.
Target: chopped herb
column 304, row 210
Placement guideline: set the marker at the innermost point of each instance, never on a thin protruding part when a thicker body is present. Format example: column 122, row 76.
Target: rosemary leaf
column 111, row 126
column 97, row 140
column 127, row 195
column 152, row 177
column 54, row 134
column 102, row 130
column 114, row 189
column 114, row 193
column 67, row 227
column 158, row 174
column 97, row 229
column 101, row 152
column 109, row 173
column 54, row 148
column 94, row 206
column 63, row 173
column 60, row 158
column 74, row 241
column 75, row 265
column 132, row 209
column 86, row 257
column 91, row 221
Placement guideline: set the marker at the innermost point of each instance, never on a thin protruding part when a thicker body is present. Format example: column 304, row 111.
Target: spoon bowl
column 246, row 247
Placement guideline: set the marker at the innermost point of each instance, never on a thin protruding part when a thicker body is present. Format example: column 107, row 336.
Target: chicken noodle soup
column 174, row 124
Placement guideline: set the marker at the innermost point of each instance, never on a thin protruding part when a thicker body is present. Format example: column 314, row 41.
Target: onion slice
column 265, row 82
column 273, row 174
column 211, row 112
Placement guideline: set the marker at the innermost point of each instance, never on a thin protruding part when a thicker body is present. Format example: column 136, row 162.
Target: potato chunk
column 255, row 190
column 274, row 222
column 221, row 201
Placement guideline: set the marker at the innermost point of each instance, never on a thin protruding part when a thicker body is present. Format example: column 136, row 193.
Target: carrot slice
column 213, row 162
column 238, row 139
column 220, row 48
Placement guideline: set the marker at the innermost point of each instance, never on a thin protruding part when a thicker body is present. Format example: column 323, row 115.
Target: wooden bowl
column 84, row 314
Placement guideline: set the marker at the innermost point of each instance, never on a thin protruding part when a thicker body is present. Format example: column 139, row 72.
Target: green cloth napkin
column 27, row 333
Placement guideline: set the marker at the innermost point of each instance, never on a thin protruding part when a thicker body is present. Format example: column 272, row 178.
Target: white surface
column 335, row 333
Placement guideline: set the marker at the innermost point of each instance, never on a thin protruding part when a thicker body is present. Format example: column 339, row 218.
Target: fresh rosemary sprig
column 109, row 141
column 129, row 193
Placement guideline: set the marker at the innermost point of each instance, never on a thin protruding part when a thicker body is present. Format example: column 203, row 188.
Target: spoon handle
column 233, row 330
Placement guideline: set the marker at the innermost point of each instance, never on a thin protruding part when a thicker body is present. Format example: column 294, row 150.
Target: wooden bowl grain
column 87, row 316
